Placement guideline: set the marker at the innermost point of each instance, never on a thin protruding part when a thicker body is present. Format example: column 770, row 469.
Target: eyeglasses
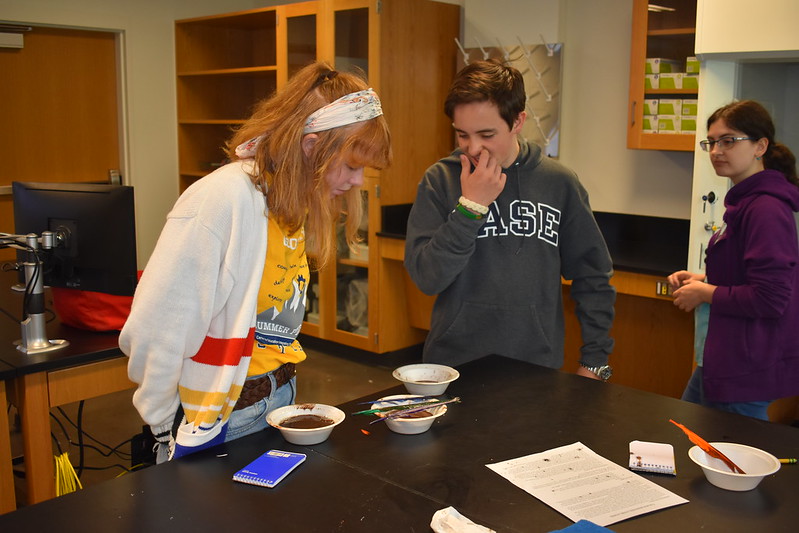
column 725, row 143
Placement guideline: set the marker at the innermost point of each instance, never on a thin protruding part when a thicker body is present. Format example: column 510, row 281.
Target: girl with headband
column 212, row 334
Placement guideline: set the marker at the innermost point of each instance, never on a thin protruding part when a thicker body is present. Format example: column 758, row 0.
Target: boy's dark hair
column 488, row 81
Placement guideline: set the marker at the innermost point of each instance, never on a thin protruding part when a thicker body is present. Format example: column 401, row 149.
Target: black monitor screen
column 99, row 252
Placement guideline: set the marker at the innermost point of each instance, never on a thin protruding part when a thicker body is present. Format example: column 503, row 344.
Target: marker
column 790, row 461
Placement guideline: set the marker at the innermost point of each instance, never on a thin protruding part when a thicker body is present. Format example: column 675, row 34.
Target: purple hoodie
column 752, row 347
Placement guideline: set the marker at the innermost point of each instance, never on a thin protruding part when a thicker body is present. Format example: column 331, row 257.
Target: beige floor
column 330, row 375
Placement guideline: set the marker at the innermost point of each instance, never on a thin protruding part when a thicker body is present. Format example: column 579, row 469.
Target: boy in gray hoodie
column 494, row 228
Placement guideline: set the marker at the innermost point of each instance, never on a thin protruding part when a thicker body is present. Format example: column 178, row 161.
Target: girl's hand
column 692, row 293
column 681, row 277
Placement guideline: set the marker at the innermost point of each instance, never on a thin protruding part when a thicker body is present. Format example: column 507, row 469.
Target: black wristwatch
column 602, row 372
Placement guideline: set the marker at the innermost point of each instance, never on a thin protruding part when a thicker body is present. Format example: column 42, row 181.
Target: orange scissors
column 708, row 449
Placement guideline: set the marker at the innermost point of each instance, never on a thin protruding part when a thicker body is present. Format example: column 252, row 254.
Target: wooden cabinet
column 226, row 63
column 666, row 31
column 406, row 48
column 654, row 348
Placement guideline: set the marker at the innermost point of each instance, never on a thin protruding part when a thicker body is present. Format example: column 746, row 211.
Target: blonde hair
column 294, row 184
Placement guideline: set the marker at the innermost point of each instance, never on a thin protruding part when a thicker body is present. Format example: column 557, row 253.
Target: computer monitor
column 98, row 251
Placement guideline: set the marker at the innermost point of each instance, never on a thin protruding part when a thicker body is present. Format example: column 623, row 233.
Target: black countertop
column 84, row 346
column 382, row 481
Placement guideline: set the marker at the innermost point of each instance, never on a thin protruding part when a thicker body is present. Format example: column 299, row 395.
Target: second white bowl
column 755, row 462
column 426, row 378
column 409, row 426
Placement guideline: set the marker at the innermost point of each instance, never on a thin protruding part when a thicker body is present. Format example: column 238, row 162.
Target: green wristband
column 468, row 213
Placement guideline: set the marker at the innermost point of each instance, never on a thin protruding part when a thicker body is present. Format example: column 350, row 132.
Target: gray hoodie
column 498, row 279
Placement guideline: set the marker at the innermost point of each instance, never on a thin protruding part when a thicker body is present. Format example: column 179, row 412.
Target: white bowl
column 409, row 426
column 426, row 378
column 755, row 462
column 305, row 436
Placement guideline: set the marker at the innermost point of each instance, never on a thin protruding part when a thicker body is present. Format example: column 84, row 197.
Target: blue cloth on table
column 584, row 526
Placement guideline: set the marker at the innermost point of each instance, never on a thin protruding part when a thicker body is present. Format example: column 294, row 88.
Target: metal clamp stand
column 34, row 336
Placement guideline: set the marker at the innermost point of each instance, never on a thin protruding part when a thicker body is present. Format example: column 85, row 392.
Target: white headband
column 349, row 109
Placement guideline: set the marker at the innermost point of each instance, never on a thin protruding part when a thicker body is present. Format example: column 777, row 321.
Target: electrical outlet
column 662, row 288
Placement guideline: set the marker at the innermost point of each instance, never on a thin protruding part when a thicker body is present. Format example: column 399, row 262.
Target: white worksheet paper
column 581, row 484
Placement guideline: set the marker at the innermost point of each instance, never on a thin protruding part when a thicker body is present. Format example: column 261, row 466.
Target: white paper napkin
column 449, row 520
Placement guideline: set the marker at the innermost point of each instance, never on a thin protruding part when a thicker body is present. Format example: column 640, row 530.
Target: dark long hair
column 751, row 118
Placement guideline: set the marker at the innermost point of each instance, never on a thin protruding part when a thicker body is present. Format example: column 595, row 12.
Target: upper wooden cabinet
column 409, row 50
column 666, row 31
column 226, row 63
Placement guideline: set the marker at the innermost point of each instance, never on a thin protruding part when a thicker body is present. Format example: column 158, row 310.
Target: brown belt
column 255, row 390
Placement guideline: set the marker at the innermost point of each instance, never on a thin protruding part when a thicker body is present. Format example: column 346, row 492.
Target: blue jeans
column 694, row 393
column 253, row 418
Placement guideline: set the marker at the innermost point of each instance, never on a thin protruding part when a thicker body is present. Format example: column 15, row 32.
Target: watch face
column 605, row 372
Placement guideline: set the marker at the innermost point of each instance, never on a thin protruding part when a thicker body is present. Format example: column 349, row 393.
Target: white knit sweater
column 189, row 334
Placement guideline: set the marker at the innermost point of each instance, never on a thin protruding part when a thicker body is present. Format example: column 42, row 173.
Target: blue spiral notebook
column 270, row 468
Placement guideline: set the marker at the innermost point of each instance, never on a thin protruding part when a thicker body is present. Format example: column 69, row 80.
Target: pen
column 790, row 461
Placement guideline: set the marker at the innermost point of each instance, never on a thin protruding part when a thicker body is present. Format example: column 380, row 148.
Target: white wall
column 596, row 67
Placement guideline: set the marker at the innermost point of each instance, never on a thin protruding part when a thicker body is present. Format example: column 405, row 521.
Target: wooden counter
column 654, row 340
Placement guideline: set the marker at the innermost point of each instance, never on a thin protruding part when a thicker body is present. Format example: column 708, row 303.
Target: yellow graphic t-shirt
column 281, row 301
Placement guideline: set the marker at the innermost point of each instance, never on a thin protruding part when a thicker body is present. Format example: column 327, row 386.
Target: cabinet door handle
column 632, row 113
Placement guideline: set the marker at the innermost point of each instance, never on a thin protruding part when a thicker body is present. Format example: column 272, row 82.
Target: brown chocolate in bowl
column 306, row 422
column 418, row 414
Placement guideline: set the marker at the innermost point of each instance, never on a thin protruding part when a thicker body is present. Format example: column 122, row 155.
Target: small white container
column 755, row 462
column 426, row 379
column 409, row 426
column 300, row 435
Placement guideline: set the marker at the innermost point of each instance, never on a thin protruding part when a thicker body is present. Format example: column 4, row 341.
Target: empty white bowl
column 305, row 436
column 755, row 462
column 409, row 426
column 426, row 379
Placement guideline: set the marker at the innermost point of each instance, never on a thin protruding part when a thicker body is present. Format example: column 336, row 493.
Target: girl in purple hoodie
column 750, row 291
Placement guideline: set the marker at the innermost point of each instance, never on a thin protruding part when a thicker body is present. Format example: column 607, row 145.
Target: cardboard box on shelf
column 651, row 81
column 691, row 65
column 650, row 124
column 659, row 65
column 671, row 80
column 668, row 124
column 650, row 106
column 688, row 124
column 669, row 106
column 689, row 106
column 360, row 253
column 690, row 81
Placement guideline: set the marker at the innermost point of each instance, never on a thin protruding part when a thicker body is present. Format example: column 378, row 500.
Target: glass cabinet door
column 300, row 41
column 351, row 53
column 352, row 279
column 298, row 44
column 297, row 38
column 352, row 39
